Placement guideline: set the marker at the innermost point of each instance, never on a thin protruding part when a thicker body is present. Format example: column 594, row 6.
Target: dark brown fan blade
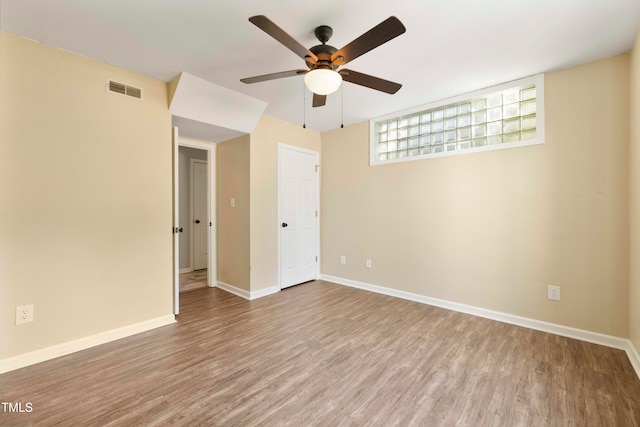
column 319, row 100
column 381, row 33
column 266, row 25
column 273, row 76
column 370, row 81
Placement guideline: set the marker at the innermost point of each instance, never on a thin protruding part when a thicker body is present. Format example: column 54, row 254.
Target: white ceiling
column 450, row 47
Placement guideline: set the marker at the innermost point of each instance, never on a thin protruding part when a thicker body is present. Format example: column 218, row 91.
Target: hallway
column 196, row 279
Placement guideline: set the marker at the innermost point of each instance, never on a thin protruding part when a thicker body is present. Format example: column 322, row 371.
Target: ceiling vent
column 123, row 89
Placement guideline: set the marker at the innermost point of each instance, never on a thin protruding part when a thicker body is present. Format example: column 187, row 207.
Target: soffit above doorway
column 209, row 112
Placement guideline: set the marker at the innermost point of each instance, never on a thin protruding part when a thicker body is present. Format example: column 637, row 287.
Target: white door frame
column 278, row 224
column 212, row 268
column 176, row 223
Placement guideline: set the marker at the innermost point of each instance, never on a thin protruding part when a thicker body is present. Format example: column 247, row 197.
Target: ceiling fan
column 323, row 61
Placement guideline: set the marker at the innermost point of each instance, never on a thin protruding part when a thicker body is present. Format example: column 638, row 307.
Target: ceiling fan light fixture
column 322, row 81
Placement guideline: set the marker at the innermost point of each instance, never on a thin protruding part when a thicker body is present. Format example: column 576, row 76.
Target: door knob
column 180, row 230
column 284, row 224
column 197, row 221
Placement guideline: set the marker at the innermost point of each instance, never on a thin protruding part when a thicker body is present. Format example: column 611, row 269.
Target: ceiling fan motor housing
column 323, row 52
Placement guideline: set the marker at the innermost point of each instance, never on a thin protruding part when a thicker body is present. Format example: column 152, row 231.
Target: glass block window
column 503, row 116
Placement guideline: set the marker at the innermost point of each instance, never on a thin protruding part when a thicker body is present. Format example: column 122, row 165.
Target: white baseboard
column 246, row 294
column 48, row 353
column 185, row 270
column 264, row 292
column 565, row 331
column 233, row 290
column 634, row 357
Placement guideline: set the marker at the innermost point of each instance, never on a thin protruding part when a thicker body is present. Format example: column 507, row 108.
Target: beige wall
column 232, row 172
column 493, row 229
column 85, row 197
column 634, row 200
column 264, row 193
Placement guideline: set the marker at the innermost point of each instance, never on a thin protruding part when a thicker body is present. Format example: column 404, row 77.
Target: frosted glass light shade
column 322, row 81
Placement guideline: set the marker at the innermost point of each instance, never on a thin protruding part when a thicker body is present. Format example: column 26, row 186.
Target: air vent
column 124, row 89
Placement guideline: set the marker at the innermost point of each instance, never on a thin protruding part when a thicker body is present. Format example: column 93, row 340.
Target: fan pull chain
column 304, row 106
column 342, row 106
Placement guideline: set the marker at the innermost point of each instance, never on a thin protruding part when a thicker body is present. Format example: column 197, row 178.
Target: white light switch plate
column 553, row 293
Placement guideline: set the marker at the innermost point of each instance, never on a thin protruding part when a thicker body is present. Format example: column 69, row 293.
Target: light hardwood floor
column 324, row 354
column 193, row 280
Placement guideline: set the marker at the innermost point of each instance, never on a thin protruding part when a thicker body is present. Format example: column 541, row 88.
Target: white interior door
column 298, row 215
column 176, row 225
column 200, row 222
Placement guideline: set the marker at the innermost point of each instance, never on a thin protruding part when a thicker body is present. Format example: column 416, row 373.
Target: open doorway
column 194, row 238
column 194, row 216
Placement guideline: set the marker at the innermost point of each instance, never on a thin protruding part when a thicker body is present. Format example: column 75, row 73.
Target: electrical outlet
column 553, row 292
column 232, row 202
column 367, row 263
column 24, row 314
column 343, row 259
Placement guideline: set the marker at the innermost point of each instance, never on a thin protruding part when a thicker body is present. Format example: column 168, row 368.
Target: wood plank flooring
column 327, row 355
column 193, row 280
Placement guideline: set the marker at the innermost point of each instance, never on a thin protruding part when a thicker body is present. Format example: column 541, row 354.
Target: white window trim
column 538, row 80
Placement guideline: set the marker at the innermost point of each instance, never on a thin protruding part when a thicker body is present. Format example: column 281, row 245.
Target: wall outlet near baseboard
column 553, row 292
column 367, row 263
column 24, row 314
column 343, row 259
